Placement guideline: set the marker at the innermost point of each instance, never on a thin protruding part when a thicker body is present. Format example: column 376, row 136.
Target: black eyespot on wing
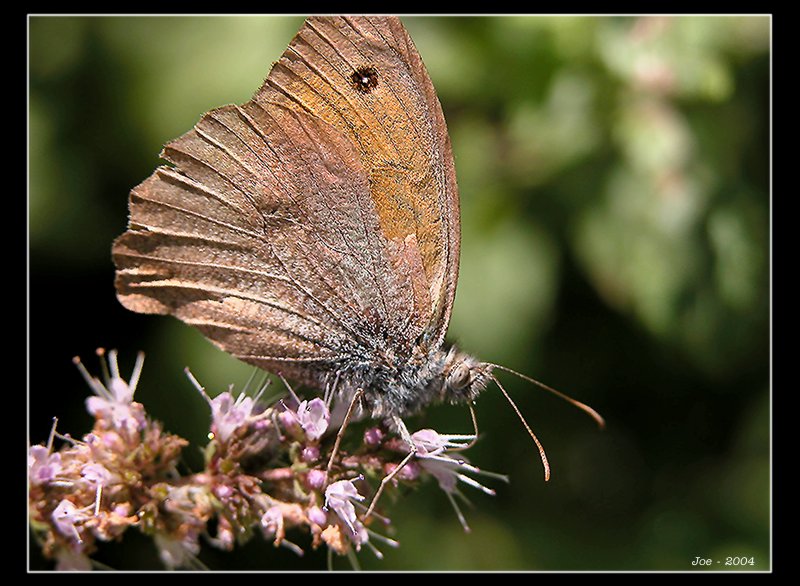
column 364, row 79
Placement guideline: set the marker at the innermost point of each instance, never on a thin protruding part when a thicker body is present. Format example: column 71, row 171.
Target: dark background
column 614, row 177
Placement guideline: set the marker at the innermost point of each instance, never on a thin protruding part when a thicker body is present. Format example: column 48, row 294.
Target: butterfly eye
column 459, row 377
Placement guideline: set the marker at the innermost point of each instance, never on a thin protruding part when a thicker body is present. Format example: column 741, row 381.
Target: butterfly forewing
column 399, row 128
column 316, row 223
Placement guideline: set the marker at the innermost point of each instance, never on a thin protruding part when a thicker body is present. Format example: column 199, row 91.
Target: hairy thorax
column 394, row 387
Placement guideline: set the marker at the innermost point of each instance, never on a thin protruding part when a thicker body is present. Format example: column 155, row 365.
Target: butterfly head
column 464, row 377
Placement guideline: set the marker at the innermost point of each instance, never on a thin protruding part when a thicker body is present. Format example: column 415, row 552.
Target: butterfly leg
column 405, row 435
column 348, row 416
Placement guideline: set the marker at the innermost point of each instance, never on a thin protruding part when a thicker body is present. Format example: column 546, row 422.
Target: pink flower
column 273, row 524
column 310, row 454
column 315, row 479
column 272, row 521
column 228, row 414
column 43, row 466
column 96, row 474
column 410, row 471
column 287, row 418
column 317, row 516
column 114, row 399
column 339, row 497
column 313, row 417
column 223, row 491
column 431, row 443
column 373, row 437
column 66, row 516
column 431, row 453
column 448, row 470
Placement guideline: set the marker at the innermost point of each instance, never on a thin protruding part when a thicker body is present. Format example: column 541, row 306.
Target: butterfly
column 314, row 231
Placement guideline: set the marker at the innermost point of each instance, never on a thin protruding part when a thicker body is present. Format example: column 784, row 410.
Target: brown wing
column 316, row 223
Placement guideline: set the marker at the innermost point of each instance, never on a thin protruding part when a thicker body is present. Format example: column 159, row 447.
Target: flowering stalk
column 265, row 473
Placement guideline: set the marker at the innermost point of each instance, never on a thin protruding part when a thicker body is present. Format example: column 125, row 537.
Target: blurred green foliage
column 614, row 177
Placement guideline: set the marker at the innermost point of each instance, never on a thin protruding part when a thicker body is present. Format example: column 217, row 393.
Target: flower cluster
column 270, row 469
column 98, row 486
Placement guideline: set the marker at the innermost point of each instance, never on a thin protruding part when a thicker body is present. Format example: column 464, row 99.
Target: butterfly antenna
column 601, row 423
column 543, row 456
